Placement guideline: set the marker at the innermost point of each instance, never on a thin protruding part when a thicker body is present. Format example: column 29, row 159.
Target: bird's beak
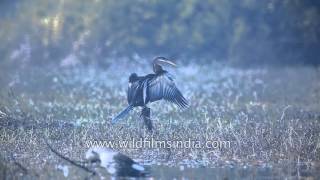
column 167, row 61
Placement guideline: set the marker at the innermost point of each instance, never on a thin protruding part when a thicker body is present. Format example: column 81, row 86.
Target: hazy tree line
column 239, row 32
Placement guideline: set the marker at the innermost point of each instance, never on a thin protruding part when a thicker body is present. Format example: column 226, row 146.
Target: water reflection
column 283, row 171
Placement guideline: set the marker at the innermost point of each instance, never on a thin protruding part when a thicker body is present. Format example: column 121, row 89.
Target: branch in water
column 69, row 160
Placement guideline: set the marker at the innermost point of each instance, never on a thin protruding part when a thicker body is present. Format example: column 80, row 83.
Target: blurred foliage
column 240, row 32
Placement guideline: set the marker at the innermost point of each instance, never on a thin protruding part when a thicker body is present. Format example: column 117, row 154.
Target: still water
column 283, row 171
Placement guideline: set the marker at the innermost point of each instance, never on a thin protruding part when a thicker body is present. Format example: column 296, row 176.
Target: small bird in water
column 116, row 164
column 150, row 88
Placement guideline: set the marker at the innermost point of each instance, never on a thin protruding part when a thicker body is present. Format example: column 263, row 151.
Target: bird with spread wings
column 150, row 88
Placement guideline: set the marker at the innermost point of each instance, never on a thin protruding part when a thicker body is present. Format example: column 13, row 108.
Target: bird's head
column 158, row 61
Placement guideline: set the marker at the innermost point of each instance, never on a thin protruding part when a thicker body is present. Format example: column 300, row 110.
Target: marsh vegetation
column 270, row 115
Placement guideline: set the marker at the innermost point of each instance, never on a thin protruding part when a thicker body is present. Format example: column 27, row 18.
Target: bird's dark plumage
column 162, row 86
column 150, row 88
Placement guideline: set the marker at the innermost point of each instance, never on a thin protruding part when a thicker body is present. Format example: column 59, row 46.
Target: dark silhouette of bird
column 150, row 88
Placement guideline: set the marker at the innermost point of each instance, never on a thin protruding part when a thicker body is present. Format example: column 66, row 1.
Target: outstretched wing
column 163, row 87
column 131, row 91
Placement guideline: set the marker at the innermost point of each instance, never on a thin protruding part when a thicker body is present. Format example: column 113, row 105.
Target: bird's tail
column 145, row 115
column 122, row 114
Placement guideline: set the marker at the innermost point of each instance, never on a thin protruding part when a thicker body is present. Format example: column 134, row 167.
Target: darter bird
column 150, row 88
column 116, row 164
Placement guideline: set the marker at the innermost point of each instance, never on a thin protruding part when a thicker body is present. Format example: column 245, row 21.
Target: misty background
column 248, row 68
column 247, row 32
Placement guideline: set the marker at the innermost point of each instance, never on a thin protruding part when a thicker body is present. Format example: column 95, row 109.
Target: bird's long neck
column 157, row 68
